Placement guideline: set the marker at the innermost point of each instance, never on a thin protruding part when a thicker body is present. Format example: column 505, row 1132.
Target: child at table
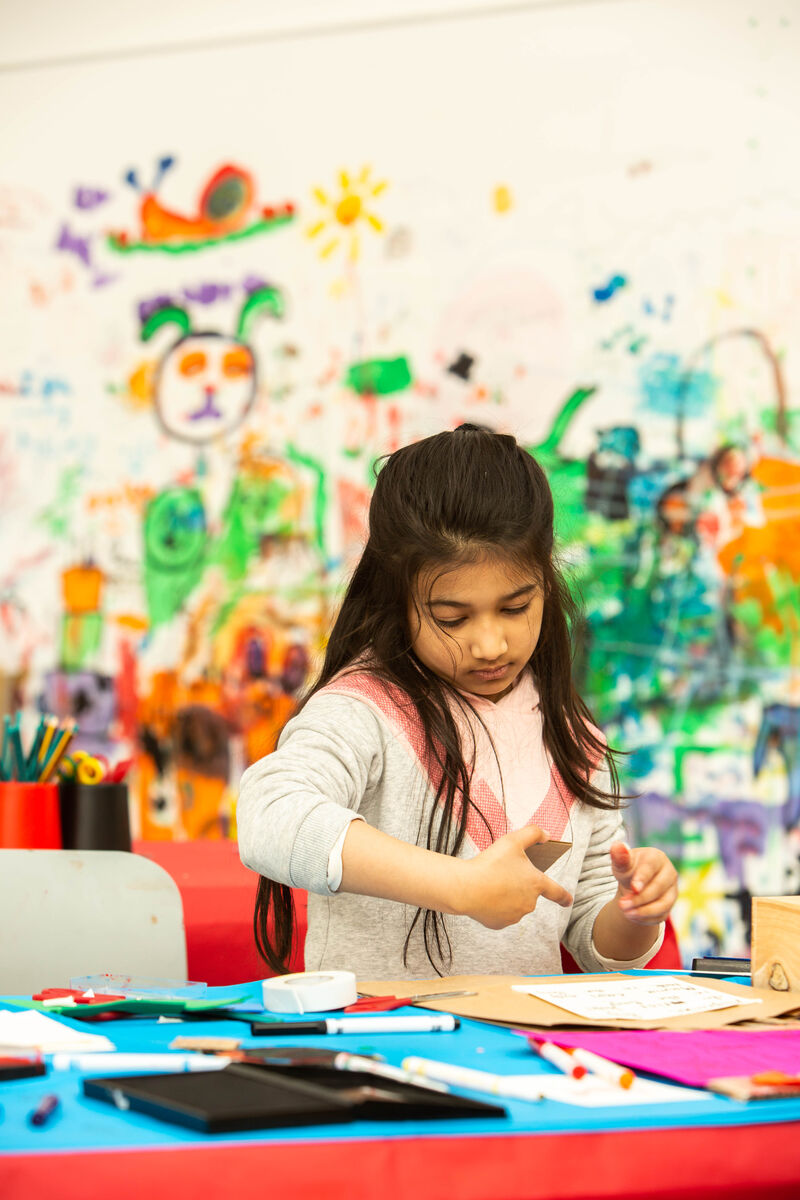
column 443, row 738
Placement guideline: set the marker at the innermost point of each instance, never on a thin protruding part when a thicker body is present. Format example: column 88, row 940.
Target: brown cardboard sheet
column 495, row 1002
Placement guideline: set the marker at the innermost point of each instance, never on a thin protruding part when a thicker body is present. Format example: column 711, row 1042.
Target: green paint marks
column 175, row 541
column 567, row 476
column 257, row 508
column 266, row 298
column 379, row 376
column 169, row 315
column 120, row 246
column 57, row 516
column 320, row 493
column 80, row 639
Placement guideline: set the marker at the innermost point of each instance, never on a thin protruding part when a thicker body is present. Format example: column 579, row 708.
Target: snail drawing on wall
column 226, row 210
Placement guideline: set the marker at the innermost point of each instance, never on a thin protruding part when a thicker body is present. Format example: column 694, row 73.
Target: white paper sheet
column 30, row 1029
column 640, row 999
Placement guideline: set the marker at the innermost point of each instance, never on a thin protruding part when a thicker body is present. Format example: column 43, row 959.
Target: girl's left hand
column 648, row 883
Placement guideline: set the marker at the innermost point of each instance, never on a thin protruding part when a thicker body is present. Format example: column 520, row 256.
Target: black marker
column 431, row 1023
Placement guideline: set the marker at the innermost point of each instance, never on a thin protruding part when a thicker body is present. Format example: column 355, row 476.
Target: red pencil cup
column 29, row 816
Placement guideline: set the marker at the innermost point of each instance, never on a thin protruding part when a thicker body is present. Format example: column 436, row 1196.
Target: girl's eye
column 451, row 624
column 515, row 612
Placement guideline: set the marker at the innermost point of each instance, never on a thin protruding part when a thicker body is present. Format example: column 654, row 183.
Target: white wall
column 642, row 138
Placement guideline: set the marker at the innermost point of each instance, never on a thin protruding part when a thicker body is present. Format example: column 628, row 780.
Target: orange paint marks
column 192, row 363
column 141, row 384
column 237, row 363
column 131, row 621
column 81, row 589
column 129, row 495
column 202, row 805
column 758, row 550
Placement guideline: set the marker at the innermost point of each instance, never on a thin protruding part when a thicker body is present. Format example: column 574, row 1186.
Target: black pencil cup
column 94, row 816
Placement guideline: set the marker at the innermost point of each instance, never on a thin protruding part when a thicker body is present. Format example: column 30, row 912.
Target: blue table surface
column 83, row 1124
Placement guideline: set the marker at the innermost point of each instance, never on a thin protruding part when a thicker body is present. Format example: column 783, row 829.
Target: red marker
column 558, row 1057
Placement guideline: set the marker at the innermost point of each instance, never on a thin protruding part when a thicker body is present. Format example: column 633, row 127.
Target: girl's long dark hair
column 443, row 501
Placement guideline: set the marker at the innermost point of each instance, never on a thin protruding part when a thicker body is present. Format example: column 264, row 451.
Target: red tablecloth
column 742, row 1163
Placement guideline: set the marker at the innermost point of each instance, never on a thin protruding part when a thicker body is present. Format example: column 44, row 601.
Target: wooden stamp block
column 775, row 953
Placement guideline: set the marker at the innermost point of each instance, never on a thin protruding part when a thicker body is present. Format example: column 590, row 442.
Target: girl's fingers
column 654, row 905
column 650, row 888
column 555, row 892
column 530, row 835
column 650, row 914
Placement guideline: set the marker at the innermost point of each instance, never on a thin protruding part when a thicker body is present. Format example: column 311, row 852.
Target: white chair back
column 70, row 913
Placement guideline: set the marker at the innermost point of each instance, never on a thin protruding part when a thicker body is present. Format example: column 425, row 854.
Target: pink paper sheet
column 691, row 1058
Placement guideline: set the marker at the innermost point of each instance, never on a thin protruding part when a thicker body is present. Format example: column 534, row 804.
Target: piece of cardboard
column 544, row 854
column 495, row 1002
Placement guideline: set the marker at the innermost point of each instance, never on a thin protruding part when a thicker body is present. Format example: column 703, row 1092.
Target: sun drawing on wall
column 345, row 212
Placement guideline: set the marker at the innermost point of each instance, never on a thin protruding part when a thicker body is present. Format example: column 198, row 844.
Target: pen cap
column 95, row 816
column 29, row 816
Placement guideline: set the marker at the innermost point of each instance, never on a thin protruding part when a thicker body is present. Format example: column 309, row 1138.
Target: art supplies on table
column 603, row 1068
column 768, row 1085
column 47, row 759
column 439, row 1023
column 140, row 987
column 84, row 1007
column 544, row 854
column 644, row 998
column 27, row 1029
column 388, row 1003
column 594, row 1092
column 721, row 966
column 693, row 1058
column 701, row 1003
column 17, row 1067
column 309, row 992
column 308, row 1057
column 82, row 767
column 247, row 1096
column 101, row 1063
column 558, row 1058
column 45, row 1110
column 517, row 1087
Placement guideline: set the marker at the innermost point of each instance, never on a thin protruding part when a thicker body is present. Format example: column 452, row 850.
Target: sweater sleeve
column 596, row 884
column 295, row 804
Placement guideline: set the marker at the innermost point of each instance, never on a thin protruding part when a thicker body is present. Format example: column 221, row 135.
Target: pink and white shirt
column 357, row 750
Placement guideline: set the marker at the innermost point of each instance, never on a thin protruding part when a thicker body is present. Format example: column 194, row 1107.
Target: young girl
column 444, row 738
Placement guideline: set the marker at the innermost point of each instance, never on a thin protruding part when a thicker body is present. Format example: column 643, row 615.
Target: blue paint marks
column 651, row 309
column 606, row 291
column 668, row 389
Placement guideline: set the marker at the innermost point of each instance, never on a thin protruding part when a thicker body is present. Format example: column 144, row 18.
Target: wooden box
column 775, row 952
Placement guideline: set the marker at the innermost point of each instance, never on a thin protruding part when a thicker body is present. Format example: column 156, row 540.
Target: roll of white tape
column 310, row 991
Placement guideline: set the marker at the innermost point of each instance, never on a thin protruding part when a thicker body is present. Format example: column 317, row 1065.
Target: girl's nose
column 488, row 644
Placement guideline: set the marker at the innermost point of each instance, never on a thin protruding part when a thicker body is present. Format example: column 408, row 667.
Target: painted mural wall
column 232, row 279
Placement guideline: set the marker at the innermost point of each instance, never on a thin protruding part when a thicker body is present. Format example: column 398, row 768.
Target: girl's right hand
column 500, row 885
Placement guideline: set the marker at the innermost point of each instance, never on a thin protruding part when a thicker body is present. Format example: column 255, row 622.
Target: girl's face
column 476, row 625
